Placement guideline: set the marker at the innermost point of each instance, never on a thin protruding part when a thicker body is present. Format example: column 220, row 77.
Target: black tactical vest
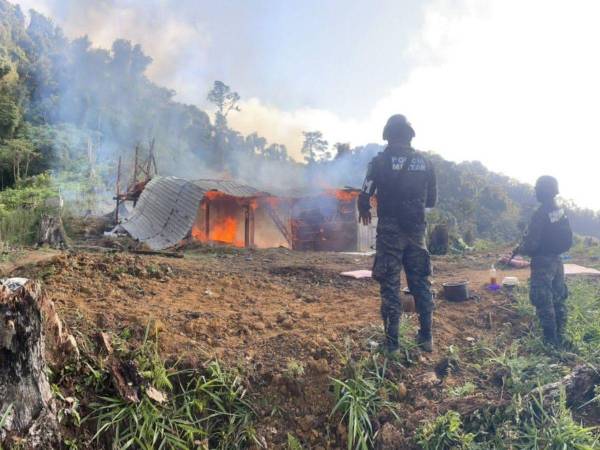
column 402, row 176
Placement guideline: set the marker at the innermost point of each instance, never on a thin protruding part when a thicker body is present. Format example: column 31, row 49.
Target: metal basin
column 456, row 291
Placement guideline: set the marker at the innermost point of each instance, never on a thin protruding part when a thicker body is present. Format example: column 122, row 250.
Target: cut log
column 51, row 232
column 25, row 394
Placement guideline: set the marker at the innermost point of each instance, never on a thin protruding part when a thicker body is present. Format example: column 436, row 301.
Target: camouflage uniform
column 397, row 248
column 548, row 291
column 549, row 294
column 405, row 183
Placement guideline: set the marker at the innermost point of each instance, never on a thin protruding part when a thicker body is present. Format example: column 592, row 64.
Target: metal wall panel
column 167, row 208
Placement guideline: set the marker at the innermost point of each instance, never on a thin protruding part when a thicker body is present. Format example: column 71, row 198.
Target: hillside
column 69, row 110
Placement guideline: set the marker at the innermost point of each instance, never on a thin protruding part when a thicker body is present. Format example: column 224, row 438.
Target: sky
column 512, row 83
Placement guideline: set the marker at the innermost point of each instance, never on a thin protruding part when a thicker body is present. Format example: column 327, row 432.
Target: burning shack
column 170, row 210
column 328, row 221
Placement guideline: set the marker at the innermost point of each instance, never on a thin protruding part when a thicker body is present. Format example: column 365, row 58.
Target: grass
column 360, row 397
column 583, row 327
column 208, row 408
column 293, row 443
column 522, row 361
column 444, row 432
column 463, row 390
column 521, row 372
column 532, row 425
column 19, row 226
column 202, row 408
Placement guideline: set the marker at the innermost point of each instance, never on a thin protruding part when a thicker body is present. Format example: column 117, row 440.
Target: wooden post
column 249, row 227
column 207, row 221
column 118, row 189
column 135, row 165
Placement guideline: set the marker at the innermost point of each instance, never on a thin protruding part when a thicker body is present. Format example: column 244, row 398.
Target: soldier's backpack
column 558, row 235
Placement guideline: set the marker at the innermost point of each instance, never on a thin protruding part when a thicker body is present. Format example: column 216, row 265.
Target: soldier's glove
column 364, row 209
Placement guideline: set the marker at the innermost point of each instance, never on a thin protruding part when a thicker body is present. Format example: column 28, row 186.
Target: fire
column 225, row 231
column 213, row 195
column 343, row 195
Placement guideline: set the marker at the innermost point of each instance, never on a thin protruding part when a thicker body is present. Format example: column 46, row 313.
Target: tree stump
column 25, row 396
column 51, row 232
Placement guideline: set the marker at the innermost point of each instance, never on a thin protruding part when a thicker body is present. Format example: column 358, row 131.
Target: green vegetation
column 359, row 398
column 177, row 409
column 207, row 407
column 21, row 208
column 293, row 443
column 518, row 361
column 445, row 432
column 462, row 391
column 532, row 425
column 583, row 328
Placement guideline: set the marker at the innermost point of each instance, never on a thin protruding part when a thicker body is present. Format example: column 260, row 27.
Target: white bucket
column 510, row 282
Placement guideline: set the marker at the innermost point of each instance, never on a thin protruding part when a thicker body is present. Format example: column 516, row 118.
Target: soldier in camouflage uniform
column 405, row 184
column 548, row 235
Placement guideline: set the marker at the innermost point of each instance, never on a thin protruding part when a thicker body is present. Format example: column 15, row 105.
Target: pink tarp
column 575, row 269
column 358, row 274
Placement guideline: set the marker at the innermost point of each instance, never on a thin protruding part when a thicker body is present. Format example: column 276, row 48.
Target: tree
column 256, row 144
column 18, row 154
column 276, row 152
column 224, row 99
column 10, row 115
column 342, row 149
column 314, row 147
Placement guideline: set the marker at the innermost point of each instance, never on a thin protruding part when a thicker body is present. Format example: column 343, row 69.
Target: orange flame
column 343, row 195
column 225, row 231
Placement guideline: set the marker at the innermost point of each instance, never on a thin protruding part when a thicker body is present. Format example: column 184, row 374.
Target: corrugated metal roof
column 167, row 208
column 228, row 187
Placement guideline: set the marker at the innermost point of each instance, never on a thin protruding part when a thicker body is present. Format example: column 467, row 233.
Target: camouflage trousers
column 395, row 249
column 548, row 294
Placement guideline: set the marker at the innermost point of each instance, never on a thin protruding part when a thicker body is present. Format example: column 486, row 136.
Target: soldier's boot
column 550, row 334
column 561, row 325
column 391, row 334
column 424, row 337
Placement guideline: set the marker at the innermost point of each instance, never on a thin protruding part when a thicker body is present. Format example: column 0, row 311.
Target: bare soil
column 265, row 312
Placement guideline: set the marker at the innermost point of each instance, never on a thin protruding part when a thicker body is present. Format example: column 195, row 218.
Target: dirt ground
column 266, row 311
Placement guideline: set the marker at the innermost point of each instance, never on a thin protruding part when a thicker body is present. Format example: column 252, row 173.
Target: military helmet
column 398, row 128
column 546, row 186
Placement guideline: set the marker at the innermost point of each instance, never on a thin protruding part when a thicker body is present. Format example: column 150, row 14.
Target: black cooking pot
column 456, row 291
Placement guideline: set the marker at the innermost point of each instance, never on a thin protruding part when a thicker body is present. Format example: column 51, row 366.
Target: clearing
column 288, row 322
